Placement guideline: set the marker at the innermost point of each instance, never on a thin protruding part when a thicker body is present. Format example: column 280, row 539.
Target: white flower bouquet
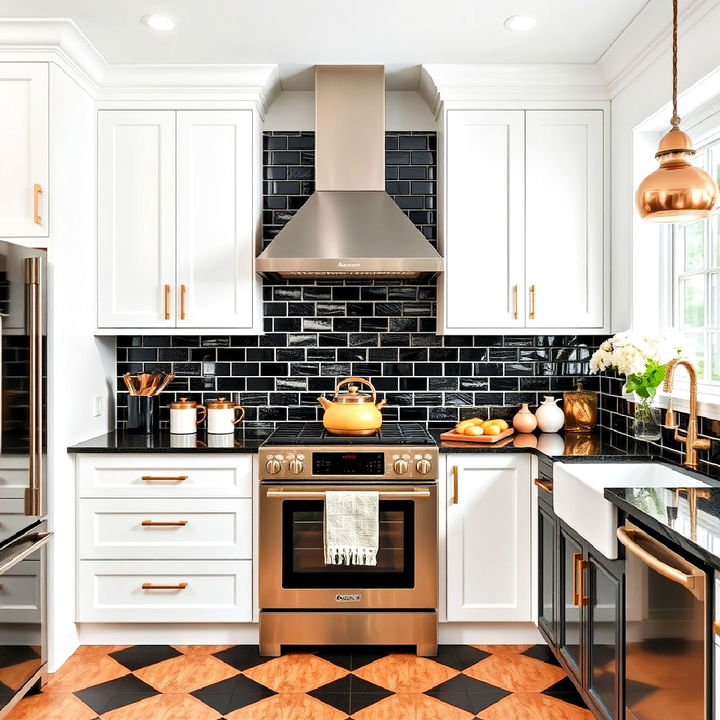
column 641, row 358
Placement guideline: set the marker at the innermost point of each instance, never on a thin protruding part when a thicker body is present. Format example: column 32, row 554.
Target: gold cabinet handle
column 716, row 625
column 579, row 567
column 37, row 191
column 456, row 485
column 164, row 478
column 532, row 302
column 545, row 485
column 182, row 302
column 152, row 586
column 515, row 302
column 164, row 523
column 166, row 301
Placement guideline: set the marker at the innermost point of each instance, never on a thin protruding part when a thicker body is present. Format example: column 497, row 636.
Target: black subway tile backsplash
column 318, row 332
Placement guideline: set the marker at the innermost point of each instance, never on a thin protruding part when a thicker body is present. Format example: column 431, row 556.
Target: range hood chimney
column 350, row 227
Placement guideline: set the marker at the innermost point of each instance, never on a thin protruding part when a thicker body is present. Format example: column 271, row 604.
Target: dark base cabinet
column 581, row 609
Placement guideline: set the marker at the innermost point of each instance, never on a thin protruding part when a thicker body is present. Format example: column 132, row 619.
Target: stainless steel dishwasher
column 666, row 630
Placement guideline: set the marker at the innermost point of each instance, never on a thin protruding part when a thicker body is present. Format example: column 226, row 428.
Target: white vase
column 549, row 416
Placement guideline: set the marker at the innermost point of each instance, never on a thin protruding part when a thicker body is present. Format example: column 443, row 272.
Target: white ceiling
column 299, row 33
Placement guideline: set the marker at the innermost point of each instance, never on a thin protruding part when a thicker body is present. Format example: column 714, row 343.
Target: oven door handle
column 647, row 549
column 320, row 495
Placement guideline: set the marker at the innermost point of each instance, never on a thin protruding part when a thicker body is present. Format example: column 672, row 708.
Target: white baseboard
column 489, row 634
column 170, row 634
column 247, row 634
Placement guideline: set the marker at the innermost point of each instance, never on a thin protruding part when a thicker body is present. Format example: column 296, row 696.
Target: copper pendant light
column 677, row 191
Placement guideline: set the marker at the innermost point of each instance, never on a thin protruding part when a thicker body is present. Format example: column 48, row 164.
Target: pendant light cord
column 675, row 120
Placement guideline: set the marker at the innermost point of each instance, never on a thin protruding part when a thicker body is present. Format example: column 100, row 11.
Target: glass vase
column 647, row 421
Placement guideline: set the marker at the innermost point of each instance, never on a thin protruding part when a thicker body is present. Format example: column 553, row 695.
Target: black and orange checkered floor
column 162, row 682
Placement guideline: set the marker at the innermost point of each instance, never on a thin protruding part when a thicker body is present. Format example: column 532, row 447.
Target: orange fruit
column 492, row 429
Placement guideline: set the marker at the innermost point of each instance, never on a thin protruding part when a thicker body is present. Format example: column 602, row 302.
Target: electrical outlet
column 97, row 406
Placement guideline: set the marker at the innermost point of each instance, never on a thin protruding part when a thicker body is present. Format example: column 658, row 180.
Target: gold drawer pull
column 164, row 523
column 545, row 485
column 456, row 488
column 37, row 191
column 515, row 302
column 164, row 478
column 152, row 586
column 716, row 626
column 182, row 302
column 166, row 301
column 532, row 302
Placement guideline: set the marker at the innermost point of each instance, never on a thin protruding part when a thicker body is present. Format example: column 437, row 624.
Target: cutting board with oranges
column 479, row 431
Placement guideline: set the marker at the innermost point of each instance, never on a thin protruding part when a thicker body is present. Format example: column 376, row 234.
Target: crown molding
column 61, row 41
column 647, row 40
column 446, row 83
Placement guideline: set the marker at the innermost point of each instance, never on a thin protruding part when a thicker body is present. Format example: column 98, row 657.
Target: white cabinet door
column 485, row 224
column 489, row 575
column 23, row 150
column 565, row 217
column 215, row 225
column 136, row 218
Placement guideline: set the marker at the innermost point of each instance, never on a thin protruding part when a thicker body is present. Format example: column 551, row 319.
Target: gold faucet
column 691, row 440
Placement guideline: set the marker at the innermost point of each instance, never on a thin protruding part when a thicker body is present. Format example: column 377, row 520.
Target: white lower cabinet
column 489, row 538
column 168, row 591
column 165, row 538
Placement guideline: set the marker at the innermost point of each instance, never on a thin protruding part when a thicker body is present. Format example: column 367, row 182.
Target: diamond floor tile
column 221, row 682
column 140, row 656
column 116, row 693
column 406, row 673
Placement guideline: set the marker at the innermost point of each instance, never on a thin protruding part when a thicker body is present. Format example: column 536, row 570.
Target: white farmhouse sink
column 578, row 490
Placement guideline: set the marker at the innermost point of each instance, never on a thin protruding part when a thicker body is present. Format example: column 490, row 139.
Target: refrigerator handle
column 33, row 282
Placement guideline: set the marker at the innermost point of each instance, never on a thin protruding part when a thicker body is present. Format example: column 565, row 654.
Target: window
column 695, row 262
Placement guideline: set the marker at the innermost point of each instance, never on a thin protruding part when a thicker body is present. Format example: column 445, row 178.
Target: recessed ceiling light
column 163, row 23
column 520, row 23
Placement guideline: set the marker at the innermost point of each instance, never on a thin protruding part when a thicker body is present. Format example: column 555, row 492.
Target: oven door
column 293, row 572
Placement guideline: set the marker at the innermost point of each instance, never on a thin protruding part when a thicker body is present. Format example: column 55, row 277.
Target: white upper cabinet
column 23, row 150
column 136, row 218
column 525, row 228
column 489, row 540
column 178, row 213
column 564, row 257
column 215, row 232
column 485, row 220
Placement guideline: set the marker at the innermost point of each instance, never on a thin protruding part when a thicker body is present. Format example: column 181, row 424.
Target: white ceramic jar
column 184, row 416
column 222, row 416
column 549, row 416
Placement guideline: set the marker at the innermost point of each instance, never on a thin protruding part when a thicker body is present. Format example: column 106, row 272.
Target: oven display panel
column 353, row 463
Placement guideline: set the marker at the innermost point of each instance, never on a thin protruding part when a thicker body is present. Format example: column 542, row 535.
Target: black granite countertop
column 669, row 512
column 118, row 441
column 553, row 446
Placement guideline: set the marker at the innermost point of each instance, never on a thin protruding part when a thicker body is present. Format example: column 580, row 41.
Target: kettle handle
column 357, row 380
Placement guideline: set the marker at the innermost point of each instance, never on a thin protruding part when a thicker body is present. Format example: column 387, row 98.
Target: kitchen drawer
column 215, row 591
column 14, row 473
column 20, row 590
column 12, row 515
column 166, row 476
column 212, row 529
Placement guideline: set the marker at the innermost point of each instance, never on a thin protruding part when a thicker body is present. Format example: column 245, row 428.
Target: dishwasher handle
column 656, row 556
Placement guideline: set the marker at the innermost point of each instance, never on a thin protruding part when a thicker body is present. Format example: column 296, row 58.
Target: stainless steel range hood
column 350, row 227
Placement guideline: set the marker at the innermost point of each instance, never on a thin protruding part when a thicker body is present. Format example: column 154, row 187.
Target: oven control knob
column 400, row 466
column 296, row 466
column 273, row 466
column 423, row 466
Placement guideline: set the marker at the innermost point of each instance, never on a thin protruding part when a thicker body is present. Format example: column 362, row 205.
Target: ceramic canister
column 184, row 416
column 222, row 416
column 549, row 416
column 524, row 420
